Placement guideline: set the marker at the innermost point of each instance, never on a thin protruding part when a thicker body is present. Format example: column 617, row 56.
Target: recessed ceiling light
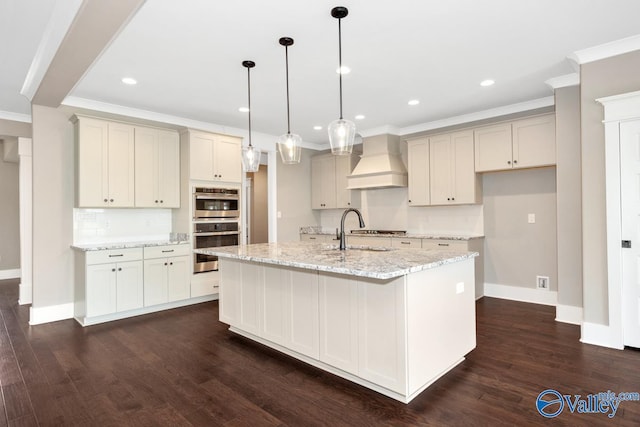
column 343, row 70
column 317, row 128
column 129, row 81
column 487, row 82
column 243, row 109
column 360, row 117
column 414, row 102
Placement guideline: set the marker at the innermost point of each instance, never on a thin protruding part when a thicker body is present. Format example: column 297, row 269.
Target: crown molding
column 566, row 80
column 606, row 50
column 16, row 117
column 380, row 130
column 480, row 115
column 64, row 12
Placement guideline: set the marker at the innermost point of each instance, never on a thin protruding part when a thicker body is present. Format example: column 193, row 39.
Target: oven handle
column 215, row 233
column 207, row 196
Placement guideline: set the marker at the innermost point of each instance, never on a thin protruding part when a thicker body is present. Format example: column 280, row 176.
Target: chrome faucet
column 343, row 246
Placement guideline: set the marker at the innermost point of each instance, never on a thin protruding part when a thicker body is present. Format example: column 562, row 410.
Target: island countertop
column 376, row 263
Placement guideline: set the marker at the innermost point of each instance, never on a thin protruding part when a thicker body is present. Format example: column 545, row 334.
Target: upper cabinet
column 418, row 159
column 157, row 168
column 104, row 163
column 329, row 182
column 523, row 143
column 451, row 169
column 123, row 165
column 214, row 157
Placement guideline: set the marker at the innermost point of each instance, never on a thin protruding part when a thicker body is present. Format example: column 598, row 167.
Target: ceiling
column 186, row 57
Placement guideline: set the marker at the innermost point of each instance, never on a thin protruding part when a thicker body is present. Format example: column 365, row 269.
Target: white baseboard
column 517, row 293
column 10, row 274
column 26, row 294
column 569, row 314
column 602, row 335
column 52, row 313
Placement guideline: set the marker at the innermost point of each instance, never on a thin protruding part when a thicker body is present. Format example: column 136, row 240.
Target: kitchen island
column 393, row 320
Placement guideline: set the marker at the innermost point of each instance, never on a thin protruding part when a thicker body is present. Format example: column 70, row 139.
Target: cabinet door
column 146, row 167
column 91, row 163
column 323, row 182
column 275, row 315
column 168, row 179
column 129, row 285
column 121, row 165
column 303, row 311
column 418, row 159
column 464, row 183
column 440, row 169
column 251, row 286
column 339, row 322
column 344, row 198
column 101, row 289
column 230, row 277
column 534, row 142
column 178, row 286
column 493, row 148
column 227, row 159
column 201, row 156
column 155, row 282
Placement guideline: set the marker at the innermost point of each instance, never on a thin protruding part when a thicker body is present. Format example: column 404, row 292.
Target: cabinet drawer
column 316, row 237
column 151, row 252
column 113, row 255
column 406, row 242
column 369, row 241
column 452, row 245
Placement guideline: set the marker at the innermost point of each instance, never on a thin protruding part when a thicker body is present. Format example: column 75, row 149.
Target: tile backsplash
column 120, row 225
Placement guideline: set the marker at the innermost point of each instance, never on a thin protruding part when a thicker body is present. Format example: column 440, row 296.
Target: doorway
column 257, row 206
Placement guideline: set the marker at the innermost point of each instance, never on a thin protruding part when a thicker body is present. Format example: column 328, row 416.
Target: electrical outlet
column 459, row 287
column 531, row 218
column 542, row 282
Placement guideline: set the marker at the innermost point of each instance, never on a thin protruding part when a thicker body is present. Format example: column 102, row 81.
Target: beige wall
column 13, row 128
column 53, row 191
column 9, row 215
column 568, row 176
column 259, row 206
column 598, row 79
column 516, row 251
column 294, row 197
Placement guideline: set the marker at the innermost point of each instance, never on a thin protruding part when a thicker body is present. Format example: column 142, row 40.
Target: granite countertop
column 381, row 263
column 126, row 245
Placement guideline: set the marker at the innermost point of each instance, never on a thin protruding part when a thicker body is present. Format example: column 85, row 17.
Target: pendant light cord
column 340, row 62
column 286, row 58
column 249, row 97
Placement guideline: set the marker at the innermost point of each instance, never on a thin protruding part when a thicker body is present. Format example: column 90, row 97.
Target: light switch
column 532, row 218
column 279, row 214
column 459, row 287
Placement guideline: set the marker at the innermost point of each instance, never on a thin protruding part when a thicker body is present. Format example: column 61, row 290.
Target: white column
column 26, row 218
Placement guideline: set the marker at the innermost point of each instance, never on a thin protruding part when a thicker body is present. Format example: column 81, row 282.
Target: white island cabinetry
column 393, row 321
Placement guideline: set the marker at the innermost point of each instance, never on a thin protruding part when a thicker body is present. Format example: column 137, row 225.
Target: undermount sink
column 360, row 248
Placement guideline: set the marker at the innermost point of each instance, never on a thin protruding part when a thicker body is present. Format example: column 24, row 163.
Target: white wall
column 9, row 215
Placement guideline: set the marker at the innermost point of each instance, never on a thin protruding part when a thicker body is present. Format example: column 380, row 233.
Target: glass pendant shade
column 289, row 148
column 342, row 133
column 251, row 158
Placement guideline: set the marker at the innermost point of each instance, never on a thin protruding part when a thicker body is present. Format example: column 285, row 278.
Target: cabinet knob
column 348, row 203
column 119, row 268
column 106, row 200
column 448, row 198
column 156, row 201
column 161, row 201
column 170, row 263
column 453, row 198
column 515, row 161
column 409, row 201
column 508, row 162
column 111, row 200
column 113, row 269
column 165, row 263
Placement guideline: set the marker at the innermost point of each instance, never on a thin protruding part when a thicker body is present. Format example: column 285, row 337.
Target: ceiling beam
column 95, row 25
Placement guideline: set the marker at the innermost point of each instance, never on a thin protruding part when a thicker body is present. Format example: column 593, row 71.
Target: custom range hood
column 380, row 165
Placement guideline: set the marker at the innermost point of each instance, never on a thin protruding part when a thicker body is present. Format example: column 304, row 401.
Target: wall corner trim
column 518, row 293
column 52, row 313
column 569, row 314
column 566, row 80
column 10, row 274
column 606, row 50
column 602, row 335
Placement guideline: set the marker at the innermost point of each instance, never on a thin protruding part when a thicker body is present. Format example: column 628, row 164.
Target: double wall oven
column 216, row 222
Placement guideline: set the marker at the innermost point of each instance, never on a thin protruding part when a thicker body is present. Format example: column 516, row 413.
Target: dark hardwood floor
column 182, row 367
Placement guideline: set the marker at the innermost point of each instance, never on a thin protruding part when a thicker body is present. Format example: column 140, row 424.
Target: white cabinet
column 157, row 168
column 523, row 143
column 451, row 167
column 214, row 157
column 329, row 182
column 166, row 274
column 104, row 163
column 384, row 242
column 418, row 165
column 109, row 282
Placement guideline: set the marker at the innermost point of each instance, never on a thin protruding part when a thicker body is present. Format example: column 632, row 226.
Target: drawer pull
column 114, row 256
column 405, row 243
column 169, row 250
column 312, row 238
column 443, row 244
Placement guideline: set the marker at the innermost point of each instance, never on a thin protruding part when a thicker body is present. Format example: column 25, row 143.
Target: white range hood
column 380, row 165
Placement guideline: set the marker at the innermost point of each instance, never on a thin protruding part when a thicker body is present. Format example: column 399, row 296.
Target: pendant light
column 289, row 143
column 341, row 132
column 250, row 154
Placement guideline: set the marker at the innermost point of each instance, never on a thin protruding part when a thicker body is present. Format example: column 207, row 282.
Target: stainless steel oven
column 210, row 203
column 213, row 234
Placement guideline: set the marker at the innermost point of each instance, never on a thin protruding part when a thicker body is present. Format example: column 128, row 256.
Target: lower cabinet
column 166, row 274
